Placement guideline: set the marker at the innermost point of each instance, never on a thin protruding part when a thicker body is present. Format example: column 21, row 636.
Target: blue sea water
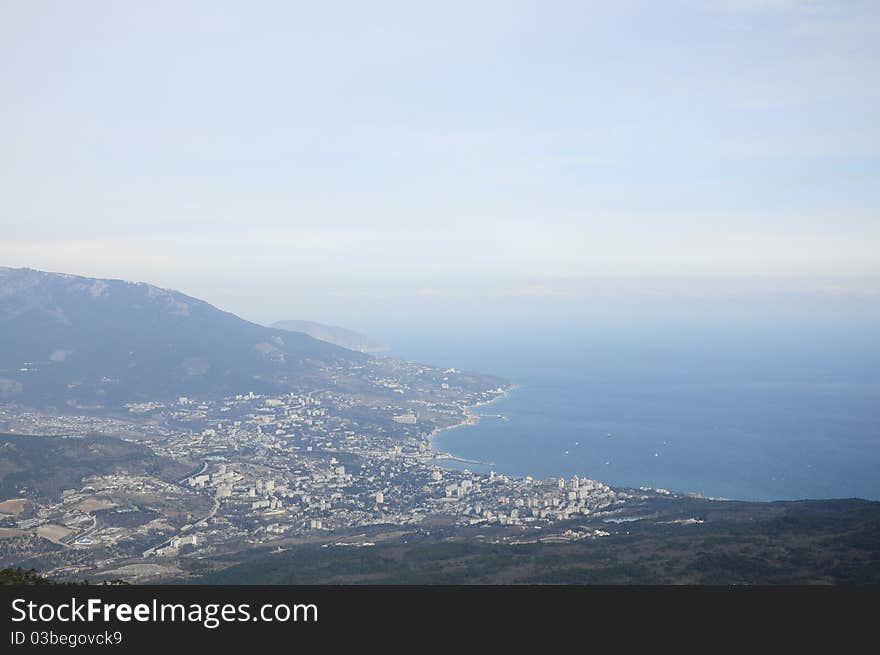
column 752, row 412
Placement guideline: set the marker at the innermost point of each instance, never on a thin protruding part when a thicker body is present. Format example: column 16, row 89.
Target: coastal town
column 331, row 466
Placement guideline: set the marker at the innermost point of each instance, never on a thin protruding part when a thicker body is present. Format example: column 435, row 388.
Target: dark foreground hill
column 739, row 543
column 85, row 342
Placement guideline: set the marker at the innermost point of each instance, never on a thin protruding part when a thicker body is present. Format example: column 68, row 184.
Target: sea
column 750, row 410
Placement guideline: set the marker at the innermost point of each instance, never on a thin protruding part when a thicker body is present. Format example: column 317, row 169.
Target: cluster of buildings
column 296, row 465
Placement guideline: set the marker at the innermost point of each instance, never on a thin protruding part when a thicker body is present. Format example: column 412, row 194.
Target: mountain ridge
column 107, row 341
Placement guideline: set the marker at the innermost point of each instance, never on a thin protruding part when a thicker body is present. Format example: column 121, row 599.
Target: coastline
column 470, row 418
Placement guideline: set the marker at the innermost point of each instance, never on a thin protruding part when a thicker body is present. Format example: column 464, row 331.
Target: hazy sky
column 324, row 159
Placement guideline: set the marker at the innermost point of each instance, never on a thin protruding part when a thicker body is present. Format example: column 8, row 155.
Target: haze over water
column 747, row 409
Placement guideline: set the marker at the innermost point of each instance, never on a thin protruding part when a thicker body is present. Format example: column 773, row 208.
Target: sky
column 355, row 162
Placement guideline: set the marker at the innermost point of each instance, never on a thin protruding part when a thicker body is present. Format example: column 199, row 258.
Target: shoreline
column 470, row 418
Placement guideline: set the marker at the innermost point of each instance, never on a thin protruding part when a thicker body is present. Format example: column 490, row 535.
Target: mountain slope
column 86, row 342
column 335, row 335
column 45, row 466
column 788, row 542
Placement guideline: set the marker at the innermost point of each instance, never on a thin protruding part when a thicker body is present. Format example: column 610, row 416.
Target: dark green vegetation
column 30, row 577
column 20, row 576
column 805, row 542
column 84, row 342
column 45, row 466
